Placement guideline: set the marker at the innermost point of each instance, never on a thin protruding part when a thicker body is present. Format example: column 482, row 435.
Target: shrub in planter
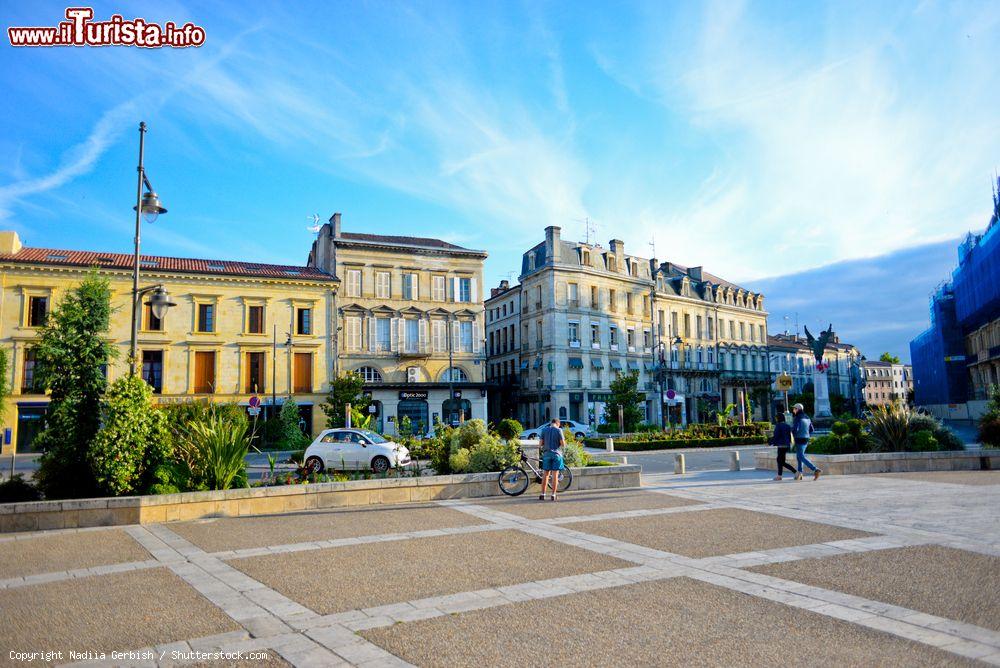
column 608, row 428
column 493, row 454
column 574, row 455
column 458, row 462
column 923, row 441
column 889, row 427
column 509, row 428
column 18, row 490
column 213, row 450
column 989, row 429
column 826, row 444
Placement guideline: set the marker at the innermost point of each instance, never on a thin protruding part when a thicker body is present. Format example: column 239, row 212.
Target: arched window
column 454, row 375
column 370, row 374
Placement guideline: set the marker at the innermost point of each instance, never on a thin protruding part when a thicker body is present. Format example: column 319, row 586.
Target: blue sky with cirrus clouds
column 756, row 139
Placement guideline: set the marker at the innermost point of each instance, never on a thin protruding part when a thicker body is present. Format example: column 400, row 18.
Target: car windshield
column 373, row 437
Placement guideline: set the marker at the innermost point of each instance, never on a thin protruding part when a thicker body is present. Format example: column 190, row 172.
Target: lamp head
column 159, row 301
column 151, row 207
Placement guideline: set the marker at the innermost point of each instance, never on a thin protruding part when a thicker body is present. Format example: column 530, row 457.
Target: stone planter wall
column 892, row 462
column 75, row 513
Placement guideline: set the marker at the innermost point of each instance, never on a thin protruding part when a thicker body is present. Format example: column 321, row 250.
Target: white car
column 353, row 450
column 579, row 430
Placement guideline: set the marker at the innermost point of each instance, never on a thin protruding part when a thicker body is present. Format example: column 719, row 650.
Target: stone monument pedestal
column 822, row 415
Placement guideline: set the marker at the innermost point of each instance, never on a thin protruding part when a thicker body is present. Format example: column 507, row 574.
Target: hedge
column 667, row 444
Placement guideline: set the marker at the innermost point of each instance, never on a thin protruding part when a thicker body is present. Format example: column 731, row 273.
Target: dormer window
column 531, row 261
column 585, row 258
column 612, row 264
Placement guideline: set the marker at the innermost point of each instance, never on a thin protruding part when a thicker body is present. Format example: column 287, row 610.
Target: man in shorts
column 551, row 449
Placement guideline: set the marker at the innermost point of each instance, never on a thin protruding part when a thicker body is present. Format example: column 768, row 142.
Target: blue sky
column 756, row 139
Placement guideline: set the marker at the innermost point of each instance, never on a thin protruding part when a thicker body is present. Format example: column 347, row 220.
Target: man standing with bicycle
column 553, row 441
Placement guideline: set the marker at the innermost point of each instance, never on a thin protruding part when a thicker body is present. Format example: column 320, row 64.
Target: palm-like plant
column 213, row 450
column 889, row 427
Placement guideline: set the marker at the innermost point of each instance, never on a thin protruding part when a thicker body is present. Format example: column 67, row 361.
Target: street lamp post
column 148, row 207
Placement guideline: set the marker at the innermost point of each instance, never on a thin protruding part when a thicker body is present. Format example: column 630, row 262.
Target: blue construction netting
column 976, row 281
column 938, row 355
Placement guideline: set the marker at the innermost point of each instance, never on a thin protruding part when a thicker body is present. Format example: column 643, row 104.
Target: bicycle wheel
column 514, row 480
column 565, row 479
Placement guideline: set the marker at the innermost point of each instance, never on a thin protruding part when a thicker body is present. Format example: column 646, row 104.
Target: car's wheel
column 314, row 464
column 380, row 464
column 580, row 436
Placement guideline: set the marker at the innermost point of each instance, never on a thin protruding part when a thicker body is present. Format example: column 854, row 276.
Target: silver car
column 354, row 450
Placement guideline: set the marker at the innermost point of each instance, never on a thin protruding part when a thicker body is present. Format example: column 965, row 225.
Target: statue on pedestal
column 821, row 410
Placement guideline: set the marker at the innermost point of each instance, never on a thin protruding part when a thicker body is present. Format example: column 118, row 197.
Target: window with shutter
column 302, row 382
column 204, row 372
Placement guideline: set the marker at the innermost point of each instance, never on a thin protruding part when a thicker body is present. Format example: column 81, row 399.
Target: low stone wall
column 39, row 515
column 892, row 462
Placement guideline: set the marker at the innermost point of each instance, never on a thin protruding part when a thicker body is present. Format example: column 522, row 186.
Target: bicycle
column 514, row 479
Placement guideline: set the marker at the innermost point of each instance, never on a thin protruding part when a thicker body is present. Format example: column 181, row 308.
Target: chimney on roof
column 504, row 285
column 654, row 264
column 617, row 247
column 335, row 224
column 695, row 273
column 10, row 243
column 552, row 243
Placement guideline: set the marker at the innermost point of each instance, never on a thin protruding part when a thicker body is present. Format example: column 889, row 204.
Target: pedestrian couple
column 796, row 435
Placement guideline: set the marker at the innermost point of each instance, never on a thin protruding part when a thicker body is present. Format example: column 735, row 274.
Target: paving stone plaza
column 701, row 569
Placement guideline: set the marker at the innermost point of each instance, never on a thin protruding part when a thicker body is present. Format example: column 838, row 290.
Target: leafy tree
column 4, row 385
column 290, row 435
column 345, row 389
column 133, row 440
column 72, row 356
column 886, row 357
column 625, row 394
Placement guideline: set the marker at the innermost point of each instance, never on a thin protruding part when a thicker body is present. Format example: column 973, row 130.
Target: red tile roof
column 70, row 258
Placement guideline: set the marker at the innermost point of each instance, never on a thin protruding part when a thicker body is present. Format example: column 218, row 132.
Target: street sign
column 254, row 411
column 671, row 395
column 784, row 382
column 254, row 402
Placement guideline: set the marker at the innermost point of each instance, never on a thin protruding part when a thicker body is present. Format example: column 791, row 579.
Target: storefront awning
column 597, row 362
column 575, row 363
column 524, row 364
column 538, row 363
column 616, row 364
column 649, row 366
column 633, row 364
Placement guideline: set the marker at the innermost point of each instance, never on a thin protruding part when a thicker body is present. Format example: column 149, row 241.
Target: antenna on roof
column 315, row 227
column 652, row 247
column 589, row 227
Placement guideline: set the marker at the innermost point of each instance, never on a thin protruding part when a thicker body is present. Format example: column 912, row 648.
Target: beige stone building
column 410, row 321
column 982, row 353
column 790, row 354
column 588, row 313
column 503, row 350
column 887, row 383
column 216, row 343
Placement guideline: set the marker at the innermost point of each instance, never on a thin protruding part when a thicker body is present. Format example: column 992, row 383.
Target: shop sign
column 405, row 395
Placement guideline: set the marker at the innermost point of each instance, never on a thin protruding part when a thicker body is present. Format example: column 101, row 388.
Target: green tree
column 4, row 385
column 133, row 440
column 72, row 356
column 345, row 389
column 625, row 394
column 290, row 435
column 886, row 357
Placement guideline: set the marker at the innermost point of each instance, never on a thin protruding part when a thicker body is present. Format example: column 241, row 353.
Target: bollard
column 734, row 460
column 624, row 460
column 679, row 463
column 609, row 444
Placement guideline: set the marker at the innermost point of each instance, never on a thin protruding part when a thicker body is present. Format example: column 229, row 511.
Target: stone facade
column 887, row 383
column 791, row 354
column 588, row 313
column 503, row 350
column 217, row 343
column 410, row 321
column 982, row 352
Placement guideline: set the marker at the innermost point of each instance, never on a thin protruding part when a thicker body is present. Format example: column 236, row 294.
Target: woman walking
column 782, row 438
column 802, row 430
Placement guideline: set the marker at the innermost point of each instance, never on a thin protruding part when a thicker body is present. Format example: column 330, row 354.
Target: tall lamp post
column 148, row 208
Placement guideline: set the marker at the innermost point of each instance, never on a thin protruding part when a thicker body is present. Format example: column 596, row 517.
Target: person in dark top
column 782, row 439
column 552, row 444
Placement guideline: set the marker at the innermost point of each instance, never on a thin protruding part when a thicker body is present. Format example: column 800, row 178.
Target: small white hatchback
column 354, row 450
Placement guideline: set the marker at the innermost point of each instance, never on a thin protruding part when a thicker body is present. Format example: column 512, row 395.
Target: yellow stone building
column 410, row 321
column 216, row 343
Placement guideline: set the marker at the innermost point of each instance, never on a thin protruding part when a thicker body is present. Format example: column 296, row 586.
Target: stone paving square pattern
column 67, row 551
column 361, row 576
column 581, row 503
column 707, row 533
column 121, row 611
column 234, row 533
column 669, row 622
column 942, row 581
column 951, row 477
